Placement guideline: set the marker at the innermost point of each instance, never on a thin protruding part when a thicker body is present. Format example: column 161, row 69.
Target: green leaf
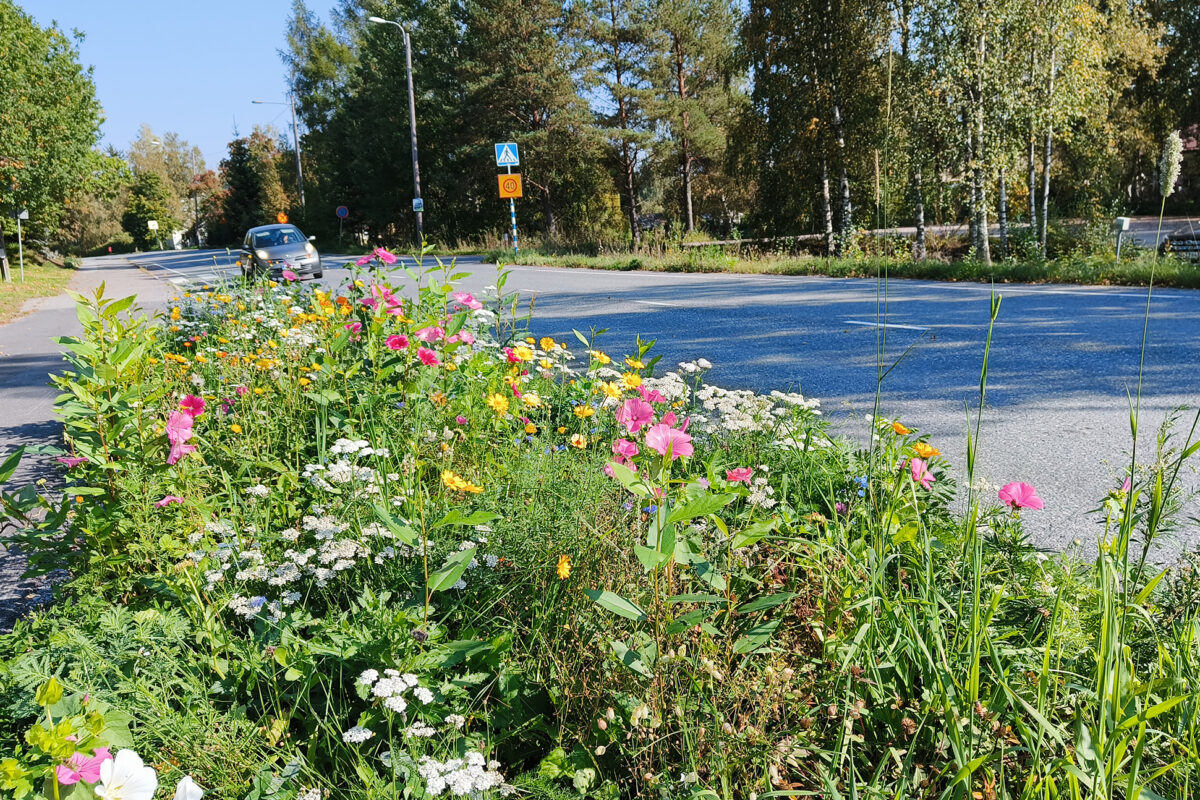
column 753, row 534
column 581, row 338
column 451, row 571
column 457, row 517
column 764, row 602
column 402, row 532
column 701, row 506
column 10, row 464
column 695, row 598
column 629, row 479
column 756, row 638
column 651, row 559
column 631, row 658
column 555, row 765
column 616, row 604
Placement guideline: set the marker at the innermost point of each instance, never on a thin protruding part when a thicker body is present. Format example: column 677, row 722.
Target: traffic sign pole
column 512, row 213
column 21, row 249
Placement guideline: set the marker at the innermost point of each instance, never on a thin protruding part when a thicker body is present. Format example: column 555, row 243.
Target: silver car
column 270, row 249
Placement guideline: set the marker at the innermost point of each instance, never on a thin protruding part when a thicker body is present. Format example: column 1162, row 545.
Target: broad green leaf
column 699, row 507
column 451, row 571
column 756, row 637
column 764, row 602
column 616, row 604
column 753, row 534
column 631, row 658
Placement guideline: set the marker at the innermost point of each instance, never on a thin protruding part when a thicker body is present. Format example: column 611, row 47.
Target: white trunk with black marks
column 985, row 254
column 826, row 208
column 5, row 274
column 1046, row 153
column 919, row 206
column 973, row 209
column 685, row 158
column 1002, row 214
column 1033, row 216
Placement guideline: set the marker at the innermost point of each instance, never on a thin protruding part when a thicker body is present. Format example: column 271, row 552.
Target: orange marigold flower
column 900, row 429
column 925, row 451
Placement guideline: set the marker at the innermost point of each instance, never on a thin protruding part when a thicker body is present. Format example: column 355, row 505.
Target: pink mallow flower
column 651, row 396
column 427, row 356
column 363, row 261
column 168, row 500
column 1018, row 495
column 290, row 276
column 430, row 333
column 635, row 414
column 467, row 300
column 71, row 461
column 397, row 341
column 466, row 337
column 242, row 391
column 80, row 767
column 179, row 430
column 739, row 475
column 920, row 472
column 663, row 439
column 353, row 327
column 385, row 256
column 623, row 448
column 192, row 405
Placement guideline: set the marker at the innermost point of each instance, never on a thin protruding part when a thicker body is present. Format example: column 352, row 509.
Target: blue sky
column 189, row 66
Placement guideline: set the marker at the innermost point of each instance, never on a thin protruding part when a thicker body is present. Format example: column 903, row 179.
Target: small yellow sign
column 510, row 185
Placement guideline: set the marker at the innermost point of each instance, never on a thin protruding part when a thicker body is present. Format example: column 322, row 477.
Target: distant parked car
column 270, row 249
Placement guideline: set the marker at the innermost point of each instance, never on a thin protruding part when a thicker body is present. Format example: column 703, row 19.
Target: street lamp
column 296, row 138
column 412, row 126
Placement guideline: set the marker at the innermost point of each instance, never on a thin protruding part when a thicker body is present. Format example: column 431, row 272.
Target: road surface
column 1063, row 360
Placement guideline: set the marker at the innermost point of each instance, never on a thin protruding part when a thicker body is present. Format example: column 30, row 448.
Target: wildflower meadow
column 382, row 542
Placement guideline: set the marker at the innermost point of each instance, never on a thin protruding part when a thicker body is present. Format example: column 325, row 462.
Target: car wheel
column 319, row 274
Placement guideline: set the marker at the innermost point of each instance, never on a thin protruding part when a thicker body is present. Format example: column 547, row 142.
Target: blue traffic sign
column 342, row 212
column 418, row 204
column 506, row 154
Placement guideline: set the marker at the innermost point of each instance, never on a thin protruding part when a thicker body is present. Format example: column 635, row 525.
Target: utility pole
column 412, row 127
column 299, row 171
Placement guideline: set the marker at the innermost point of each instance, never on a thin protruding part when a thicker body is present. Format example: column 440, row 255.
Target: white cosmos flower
column 188, row 790
column 126, row 778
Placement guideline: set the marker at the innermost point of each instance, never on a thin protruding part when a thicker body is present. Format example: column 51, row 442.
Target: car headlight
column 263, row 254
column 310, row 248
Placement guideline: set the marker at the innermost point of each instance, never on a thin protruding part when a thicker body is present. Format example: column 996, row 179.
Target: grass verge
column 42, row 279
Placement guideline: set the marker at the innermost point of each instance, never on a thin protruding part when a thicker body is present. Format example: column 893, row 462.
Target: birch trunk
column 1002, row 213
column 826, row 208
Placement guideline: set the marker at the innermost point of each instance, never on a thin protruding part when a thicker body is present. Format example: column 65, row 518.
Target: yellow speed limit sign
column 510, row 185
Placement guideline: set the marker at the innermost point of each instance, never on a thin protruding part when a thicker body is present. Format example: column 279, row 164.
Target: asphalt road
column 1064, row 360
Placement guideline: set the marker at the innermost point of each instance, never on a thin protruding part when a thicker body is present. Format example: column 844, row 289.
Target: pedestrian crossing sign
column 506, row 154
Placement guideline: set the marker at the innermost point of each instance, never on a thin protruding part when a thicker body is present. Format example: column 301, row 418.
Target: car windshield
column 277, row 237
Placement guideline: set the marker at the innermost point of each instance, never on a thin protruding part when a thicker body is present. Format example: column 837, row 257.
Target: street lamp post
column 412, row 126
column 296, row 138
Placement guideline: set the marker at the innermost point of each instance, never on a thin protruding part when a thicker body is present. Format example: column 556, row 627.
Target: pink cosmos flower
column 168, row 500
column 290, row 276
column 466, row 337
column 467, row 300
column 635, row 414
column 623, row 448
column 80, row 767
column 920, row 472
column 662, row 438
column 397, row 341
column 1017, row 495
column 430, row 333
column 192, row 405
column 363, row 261
column 242, row 391
column 71, row 461
column 427, row 356
column 385, row 256
column 651, row 396
column 739, row 475
column 353, row 327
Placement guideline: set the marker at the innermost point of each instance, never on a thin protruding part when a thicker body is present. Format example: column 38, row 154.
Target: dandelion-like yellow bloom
column 564, row 567
column 235, row 428
column 545, row 363
column 456, row 483
column 583, row 412
column 530, row 428
column 635, row 363
column 175, row 313
column 925, row 451
column 579, row 440
column 600, row 356
column 498, row 403
column 546, row 343
column 523, row 353
column 562, row 429
column 532, row 399
column 611, row 389
column 438, row 398
column 631, row 380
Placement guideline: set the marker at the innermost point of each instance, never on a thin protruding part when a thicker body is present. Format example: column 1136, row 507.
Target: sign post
column 508, row 157
column 342, row 212
column 22, row 214
column 152, row 224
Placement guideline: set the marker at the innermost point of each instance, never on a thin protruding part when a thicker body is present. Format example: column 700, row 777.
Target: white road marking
column 883, row 325
column 656, row 303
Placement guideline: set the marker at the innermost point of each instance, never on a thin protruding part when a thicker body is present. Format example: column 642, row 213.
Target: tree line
column 644, row 121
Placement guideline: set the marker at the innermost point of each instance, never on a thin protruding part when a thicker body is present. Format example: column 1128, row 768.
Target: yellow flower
column 532, row 399
column 611, row 389
column 925, row 451
column 523, row 353
column 259, row 390
column 498, row 403
column 583, row 412
column 562, row 429
column 900, row 429
column 635, row 363
column 450, row 366
column 175, row 313
column 304, row 381
column 235, row 428
column 599, row 356
column 546, row 343
column 458, row 484
column 564, row 567
column 530, row 428
column 631, row 380
column 530, row 340
column 579, row 440
column 545, row 363
column 438, row 398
